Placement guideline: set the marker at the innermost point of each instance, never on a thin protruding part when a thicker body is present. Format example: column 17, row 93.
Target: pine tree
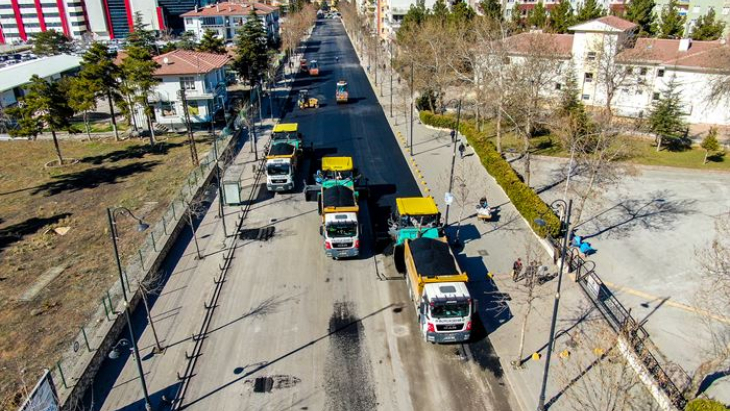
column 251, row 50
column 561, row 17
column 440, row 11
column 707, row 28
column 138, row 70
column 537, row 17
column 187, row 41
column 492, row 9
column 517, row 21
column 98, row 68
column 50, row 43
column 211, row 43
column 710, row 143
column 589, row 10
column 141, row 36
column 671, row 23
column 168, row 47
column 44, row 104
column 461, row 12
column 413, row 19
column 666, row 120
column 81, row 94
column 641, row 12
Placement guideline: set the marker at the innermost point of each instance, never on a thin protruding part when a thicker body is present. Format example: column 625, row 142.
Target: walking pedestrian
column 461, row 149
column 453, row 135
column 516, row 269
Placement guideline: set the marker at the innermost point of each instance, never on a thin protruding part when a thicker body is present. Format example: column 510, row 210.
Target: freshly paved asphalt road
column 296, row 330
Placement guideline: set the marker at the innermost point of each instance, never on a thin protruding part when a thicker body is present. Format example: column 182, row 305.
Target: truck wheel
column 399, row 259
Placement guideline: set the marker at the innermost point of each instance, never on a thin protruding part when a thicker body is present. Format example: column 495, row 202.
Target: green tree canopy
column 187, row 41
column 666, row 120
column 462, row 12
column 641, row 12
column 211, row 43
column 537, row 17
column 138, row 70
column 141, row 36
column 670, row 24
column 44, row 105
column 81, row 94
column 251, row 50
column 589, row 10
column 98, row 68
column 168, row 47
column 492, row 9
column 440, row 10
column 707, row 27
column 561, row 17
column 50, row 42
column 413, row 19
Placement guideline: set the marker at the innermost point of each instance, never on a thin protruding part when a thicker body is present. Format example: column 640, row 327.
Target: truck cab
column 340, row 226
column 287, row 133
column 336, row 171
column 415, row 217
column 437, row 287
column 281, row 164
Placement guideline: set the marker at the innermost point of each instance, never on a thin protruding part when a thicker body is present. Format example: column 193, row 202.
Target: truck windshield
column 283, row 136
column 338, row 175
column 450, row 310
column 277, row 169
column 340, row 230
column 419, row 220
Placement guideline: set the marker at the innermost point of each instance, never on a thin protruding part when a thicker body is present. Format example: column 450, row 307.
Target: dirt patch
column 33, row 201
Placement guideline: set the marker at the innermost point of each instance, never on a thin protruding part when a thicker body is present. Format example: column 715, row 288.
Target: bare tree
column 463, row 195
column 152, row 286
column 714, row 298
column 195, row 209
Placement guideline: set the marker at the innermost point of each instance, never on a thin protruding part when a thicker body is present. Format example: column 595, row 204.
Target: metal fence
column 72, row 364
column 621, row 321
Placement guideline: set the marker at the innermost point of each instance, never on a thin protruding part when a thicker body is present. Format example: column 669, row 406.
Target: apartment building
column 648, row 66
column 227, row 18
column 694, row 9
column 20, row 19
column 524, row 6
column 389, row 15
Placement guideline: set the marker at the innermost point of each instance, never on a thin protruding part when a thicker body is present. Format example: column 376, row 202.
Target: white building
column 390, row 13
column 13, row 78
column 227, row 18
column 201, row 75
column 608, row 59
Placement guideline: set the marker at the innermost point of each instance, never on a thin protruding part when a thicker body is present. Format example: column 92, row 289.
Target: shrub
column 701, row 404
column 527, row 202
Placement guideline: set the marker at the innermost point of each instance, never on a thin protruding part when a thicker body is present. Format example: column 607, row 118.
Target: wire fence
column 67, row 371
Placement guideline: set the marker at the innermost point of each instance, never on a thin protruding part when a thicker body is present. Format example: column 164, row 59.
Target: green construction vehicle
column 414, row 217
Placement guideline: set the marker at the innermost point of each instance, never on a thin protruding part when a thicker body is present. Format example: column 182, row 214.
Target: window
column 696, row 9
column 167, row 109
column 655, row 96
column 629, row 70
column 188, row 83
column 586, row 96
column 591, row 55
column 558, row 86
column 639, row 92
column 188, row 21
column 588, row 78
column 660, row 73
column 643, row 71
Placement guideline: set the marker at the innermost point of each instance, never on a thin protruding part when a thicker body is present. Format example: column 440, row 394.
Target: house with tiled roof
column 187, row 80
column 228, row 17
column 612, row 64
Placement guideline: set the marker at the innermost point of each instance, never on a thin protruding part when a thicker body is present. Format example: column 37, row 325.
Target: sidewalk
column 492, row 247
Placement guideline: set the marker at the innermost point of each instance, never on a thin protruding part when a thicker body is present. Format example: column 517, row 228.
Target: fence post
column 111, row 304
column 154, row 243
column 141, row 259
column 60, row 371
column 86, row 339
column 106, row 309
column 164, row 224
column 174, row 216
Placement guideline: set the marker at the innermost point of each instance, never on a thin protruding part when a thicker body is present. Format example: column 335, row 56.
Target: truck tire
column 399, row 259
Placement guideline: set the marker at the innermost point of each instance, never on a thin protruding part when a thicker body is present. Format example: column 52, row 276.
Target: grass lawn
column 34, row 199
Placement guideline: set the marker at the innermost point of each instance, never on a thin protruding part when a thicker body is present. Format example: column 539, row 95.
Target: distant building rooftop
column 20, row 74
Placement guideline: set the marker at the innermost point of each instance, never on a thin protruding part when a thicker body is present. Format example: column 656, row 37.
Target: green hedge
column 705, row 405
column 527, row 202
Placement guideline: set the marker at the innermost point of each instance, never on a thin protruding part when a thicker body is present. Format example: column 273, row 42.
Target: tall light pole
column 564, row 222
column 390, row 54
column 453, row 159
column 112, row 213
column 411, row 137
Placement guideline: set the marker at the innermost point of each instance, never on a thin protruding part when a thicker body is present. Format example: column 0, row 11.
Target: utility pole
column 411, row 138
column 453, row 160
column 188, row 124
column 390, row 53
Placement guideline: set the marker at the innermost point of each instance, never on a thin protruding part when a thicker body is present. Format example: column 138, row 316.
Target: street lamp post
column 221, row 213
column 112, row 213
column 453, row 159
column 564, row 222
column 411, row 137
column 390, row 54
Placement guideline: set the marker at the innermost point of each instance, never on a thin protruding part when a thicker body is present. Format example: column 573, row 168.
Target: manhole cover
column 483, row 253
column 258, row 234
column 263, row 384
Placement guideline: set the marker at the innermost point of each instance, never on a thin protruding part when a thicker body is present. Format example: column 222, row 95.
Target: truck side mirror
column 321, row 231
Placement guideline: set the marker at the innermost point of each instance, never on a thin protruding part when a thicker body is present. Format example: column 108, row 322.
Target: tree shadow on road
column 91, row 178
column 655, row 212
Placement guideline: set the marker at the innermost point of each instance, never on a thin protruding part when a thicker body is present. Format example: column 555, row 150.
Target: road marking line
column 670, row 303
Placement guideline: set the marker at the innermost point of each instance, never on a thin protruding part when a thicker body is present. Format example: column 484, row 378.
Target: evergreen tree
column 211, row 43
column 589, row 10
column 707, row 28
column 98, row 68
column 251, row 50
column 671, row 23
column 561, row 17
column 141, row 36
column 516, row 20
column 81, row 94
column 462, row 12
column 44, row 104
column 537, row 17
column 710, row 143
column 440, row 10
column 187, row 41
column 415, row 16
column 50, row 43
column 138, row 70
column 571, row 105
column 168, row 47
column 666, row 120
column 492, row 9
column 641, row 12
